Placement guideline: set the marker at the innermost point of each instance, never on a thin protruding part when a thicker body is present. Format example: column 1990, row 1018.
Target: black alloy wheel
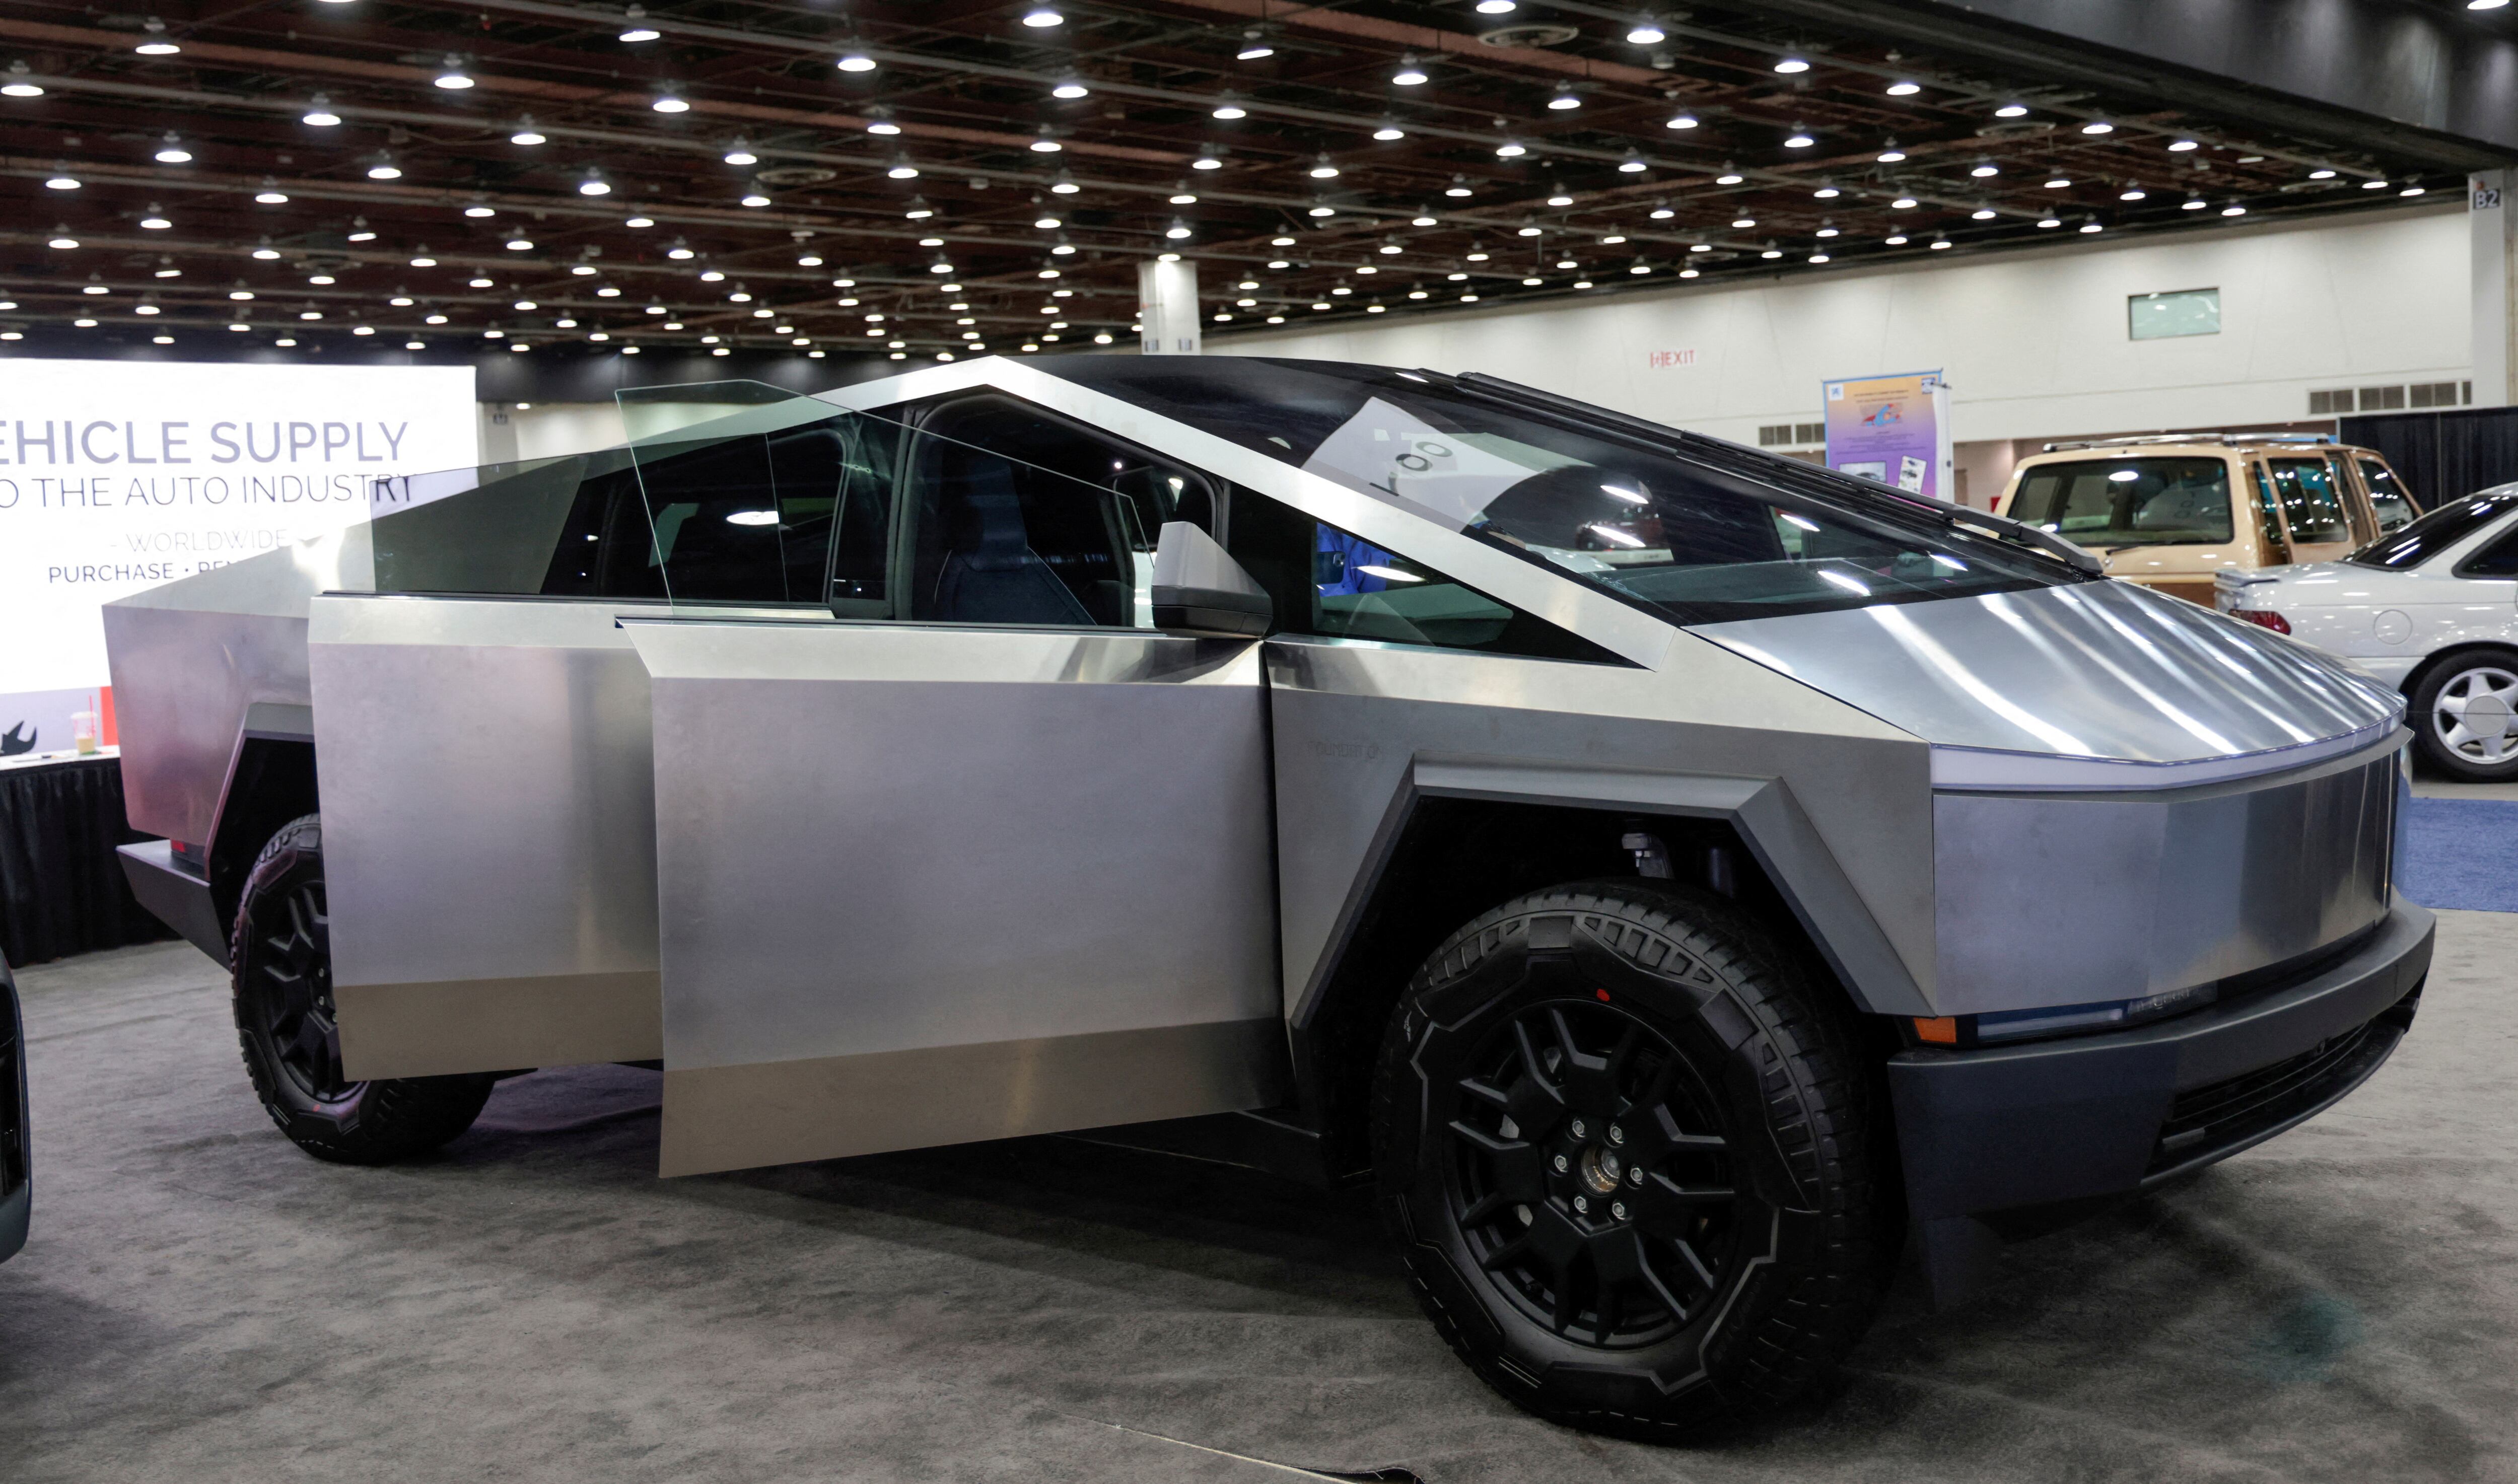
column 1592, row 1180
column 1633, row 1160
column 289, row 1029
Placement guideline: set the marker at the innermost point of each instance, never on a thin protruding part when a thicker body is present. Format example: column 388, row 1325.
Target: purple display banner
column 1890, row 428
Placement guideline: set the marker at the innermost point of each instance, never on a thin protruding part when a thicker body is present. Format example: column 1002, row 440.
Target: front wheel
column 282, row 957
column 2465, row 715
column 1632, row 1160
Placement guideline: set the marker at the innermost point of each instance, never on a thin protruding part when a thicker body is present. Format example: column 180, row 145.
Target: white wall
column 2034, row 341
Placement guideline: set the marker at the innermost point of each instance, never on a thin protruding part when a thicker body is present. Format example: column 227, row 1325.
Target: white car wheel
column 2469, row 716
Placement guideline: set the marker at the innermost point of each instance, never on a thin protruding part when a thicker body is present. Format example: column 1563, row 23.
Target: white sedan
column 2431, row 609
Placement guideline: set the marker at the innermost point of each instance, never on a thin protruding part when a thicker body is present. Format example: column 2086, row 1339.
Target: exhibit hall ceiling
column 933, row 177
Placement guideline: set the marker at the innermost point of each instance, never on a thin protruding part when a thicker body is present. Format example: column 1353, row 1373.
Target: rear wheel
column 1629, row 1154
column 2465, row 713
column 281, row 958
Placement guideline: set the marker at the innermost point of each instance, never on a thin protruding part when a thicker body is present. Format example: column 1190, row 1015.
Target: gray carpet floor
column 201, row 1302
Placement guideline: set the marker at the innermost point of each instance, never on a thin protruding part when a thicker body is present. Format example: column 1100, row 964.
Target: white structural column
column 1168, row 308
column 2489, row 214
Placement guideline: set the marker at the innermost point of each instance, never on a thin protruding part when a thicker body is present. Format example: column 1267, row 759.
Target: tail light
column 2263, row 617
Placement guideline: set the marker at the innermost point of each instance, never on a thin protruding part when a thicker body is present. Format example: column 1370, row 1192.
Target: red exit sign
column 1663, row 360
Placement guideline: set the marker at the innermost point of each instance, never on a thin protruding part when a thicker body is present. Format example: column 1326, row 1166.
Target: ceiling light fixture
column 171, row 150
column 1254, row 46
column 1510, row 149
column 270, row 194
column 453, row 79
column 60, row 179
column 1681, row 121
column 1070, row 88
column 1409, row 74
column 155, row 43
column 670, row 102
column 2012, row 110
column 2182, row 145
column 878, row 122
column 1903, row 89
column 526, row 133
column 1065, row 185
column 384, row 169
column 21, row 83
column 1389, row 131
column 1564, row 99
column 854, row 62
column 1042, row 16
column 1633, row 164
column 1799, row 139
column 1790, row 65
column 1646, row 32
column 594, row 184
column 638, row 30
column 1985, row 169
column 740, row 152
column 1045, row 144
column 2098, row 126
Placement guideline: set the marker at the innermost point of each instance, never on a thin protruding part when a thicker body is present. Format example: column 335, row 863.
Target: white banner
column 119, row 475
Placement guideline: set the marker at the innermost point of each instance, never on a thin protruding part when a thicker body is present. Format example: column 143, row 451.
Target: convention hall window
column 2170, row 314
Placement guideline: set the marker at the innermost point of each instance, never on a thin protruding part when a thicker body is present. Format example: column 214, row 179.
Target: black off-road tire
column 280, row 957
column 2474, row 676
column 1739, row 1213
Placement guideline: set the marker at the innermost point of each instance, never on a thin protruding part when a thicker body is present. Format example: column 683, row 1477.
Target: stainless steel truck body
column 1682, row 875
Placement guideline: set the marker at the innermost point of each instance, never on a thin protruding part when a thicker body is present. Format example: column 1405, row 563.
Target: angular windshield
column 2437, row 530
column 1700, row 530
column 2108, row 502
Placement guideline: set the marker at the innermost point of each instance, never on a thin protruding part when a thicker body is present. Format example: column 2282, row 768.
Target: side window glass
column 2311, row 504
column 1021, row 518
column 2387, row 497
column 2498, row 560
column 1326, row 583
column 2269, row 526
column 747, row 519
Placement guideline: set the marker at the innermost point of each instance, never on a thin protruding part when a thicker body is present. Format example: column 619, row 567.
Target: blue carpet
column 2461, row 852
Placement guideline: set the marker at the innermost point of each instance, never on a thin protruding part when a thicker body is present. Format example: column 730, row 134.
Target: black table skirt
column 61, row 889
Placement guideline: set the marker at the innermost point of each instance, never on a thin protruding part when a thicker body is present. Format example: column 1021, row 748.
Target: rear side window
column 2106, row 502
column 2435, row 532
column 2498, row 560
column 2387, row 497
column 2311, row 504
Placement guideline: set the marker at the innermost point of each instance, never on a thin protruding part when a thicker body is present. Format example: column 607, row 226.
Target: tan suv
column 2170, row 511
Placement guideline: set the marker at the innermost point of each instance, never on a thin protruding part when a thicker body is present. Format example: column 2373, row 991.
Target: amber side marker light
column 1943, row 1031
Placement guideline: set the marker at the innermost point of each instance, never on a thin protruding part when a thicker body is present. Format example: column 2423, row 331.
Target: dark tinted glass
column 2498, row 560
column 1697, row 530
column 1323, row 582
column 2436, row 531
column 2107, row 502
column 1018, row 517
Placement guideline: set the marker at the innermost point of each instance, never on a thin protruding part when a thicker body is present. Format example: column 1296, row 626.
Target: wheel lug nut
column 1635, row 1177
column 1582, row 1206
column 1578, row 1130
column 1618, row 1208
column 1617, row 1135
column 1561, row 1165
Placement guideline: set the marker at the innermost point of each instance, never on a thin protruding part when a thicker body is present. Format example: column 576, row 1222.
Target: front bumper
column 2009, row 1141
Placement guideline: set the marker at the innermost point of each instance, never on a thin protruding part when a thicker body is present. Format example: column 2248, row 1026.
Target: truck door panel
column 923, row 884
column 1000, row 869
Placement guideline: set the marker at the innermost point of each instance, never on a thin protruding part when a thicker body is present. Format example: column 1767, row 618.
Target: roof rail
column 2117, row 443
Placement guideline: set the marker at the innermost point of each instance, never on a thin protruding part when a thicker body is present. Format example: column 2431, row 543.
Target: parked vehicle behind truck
column 1637, row 854
column 2171, row 511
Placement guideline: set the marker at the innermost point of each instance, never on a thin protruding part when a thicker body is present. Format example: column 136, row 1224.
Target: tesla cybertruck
column 1680, row 877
